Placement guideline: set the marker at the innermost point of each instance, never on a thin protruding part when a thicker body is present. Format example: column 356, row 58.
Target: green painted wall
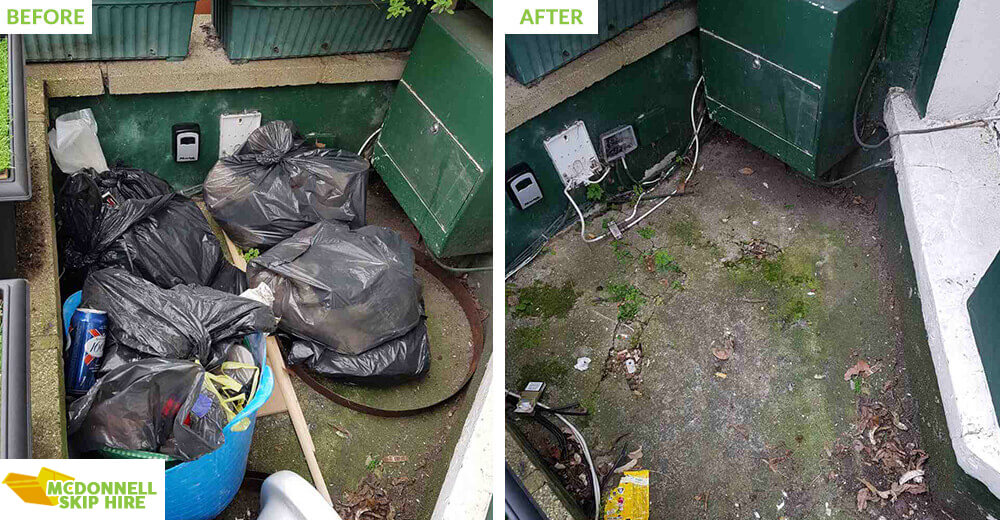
column 135, row 129
column 958, row 493
column 652, row 94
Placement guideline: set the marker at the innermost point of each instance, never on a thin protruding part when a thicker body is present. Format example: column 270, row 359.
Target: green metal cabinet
column 984, row 313
column 784, row 74
column 435, row 152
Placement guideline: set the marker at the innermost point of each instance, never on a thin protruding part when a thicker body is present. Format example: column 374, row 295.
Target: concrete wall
column 968, row 81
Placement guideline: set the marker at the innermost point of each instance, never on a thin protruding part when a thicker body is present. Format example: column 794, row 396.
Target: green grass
column 4, row 109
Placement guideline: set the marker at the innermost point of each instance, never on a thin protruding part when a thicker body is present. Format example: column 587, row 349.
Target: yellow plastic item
column 630, row 500
column 32, row 489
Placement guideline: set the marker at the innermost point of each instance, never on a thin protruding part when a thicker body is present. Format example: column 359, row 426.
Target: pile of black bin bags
column 345, row 294
column 131, row 219
column 149, row 259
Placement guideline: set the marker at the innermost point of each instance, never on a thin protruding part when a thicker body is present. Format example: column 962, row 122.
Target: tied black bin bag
column 187, row 322
column 276, row 185
column 156, row 405
column 130, row 219
column 348, row 290
column 397, row 360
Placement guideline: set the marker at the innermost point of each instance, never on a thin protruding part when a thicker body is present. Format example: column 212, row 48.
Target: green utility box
column 984, row 313
column 435, row 152
column 269, row 29
column 121, row 30
column 784, row 74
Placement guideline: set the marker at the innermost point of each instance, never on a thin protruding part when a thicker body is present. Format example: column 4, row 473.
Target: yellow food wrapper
column 630, row 500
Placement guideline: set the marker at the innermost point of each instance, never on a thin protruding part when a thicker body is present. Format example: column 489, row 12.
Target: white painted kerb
column 949, row 187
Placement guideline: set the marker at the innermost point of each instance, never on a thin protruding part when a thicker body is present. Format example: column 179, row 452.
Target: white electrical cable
column 583, row 223
column 365, row 146
column 696, row 126
column 694, row 163
column 586, row 454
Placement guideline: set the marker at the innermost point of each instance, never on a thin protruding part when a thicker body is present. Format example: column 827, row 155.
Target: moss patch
column 5, row 111
column 787, row 280
column 550, row 371
column 545, row 301
column 687, row 230
column 524, row 339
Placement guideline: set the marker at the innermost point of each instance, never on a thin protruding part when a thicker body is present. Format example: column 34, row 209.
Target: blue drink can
column 84, row 349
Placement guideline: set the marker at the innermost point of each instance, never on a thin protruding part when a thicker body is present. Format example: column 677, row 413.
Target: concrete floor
column 346, row 440
column 768, row 432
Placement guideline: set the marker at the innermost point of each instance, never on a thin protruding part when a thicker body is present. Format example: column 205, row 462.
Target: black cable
column 861, row 89
column 556, row 432
column 846, row 178
column 617, row 464
column 871, row 67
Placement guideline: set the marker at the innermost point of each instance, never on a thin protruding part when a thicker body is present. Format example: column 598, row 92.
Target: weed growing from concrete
column 630, row 300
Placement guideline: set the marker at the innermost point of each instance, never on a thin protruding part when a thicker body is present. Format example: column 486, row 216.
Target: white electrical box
column 573, row 155
column 234, row 130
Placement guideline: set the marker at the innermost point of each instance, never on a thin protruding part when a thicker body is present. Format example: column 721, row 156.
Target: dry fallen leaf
column 721, row 375
column 721, row 354
column 860, row 368
column 863, row 496
column 637, row 454
column 627, row 466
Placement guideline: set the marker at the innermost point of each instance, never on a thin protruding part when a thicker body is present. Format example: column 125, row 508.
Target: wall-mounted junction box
column 234, row 130
column 573, row 155
column 617, row 143
column 784, row 74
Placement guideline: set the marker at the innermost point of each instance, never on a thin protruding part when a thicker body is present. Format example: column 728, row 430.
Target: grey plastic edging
column 15, row 400
column 18, row 186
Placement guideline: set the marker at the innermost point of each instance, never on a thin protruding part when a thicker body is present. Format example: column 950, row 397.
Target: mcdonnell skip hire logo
column 51, row 488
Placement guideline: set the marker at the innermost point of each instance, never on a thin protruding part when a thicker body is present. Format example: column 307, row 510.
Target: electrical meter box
column 784, row 74
column 435, row 152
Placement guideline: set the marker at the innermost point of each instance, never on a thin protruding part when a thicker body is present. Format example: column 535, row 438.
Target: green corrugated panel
column 435, row 152
column 984, row 313
column 531, row 56
column 787, row 82
column 122, row 29
column 268, row 29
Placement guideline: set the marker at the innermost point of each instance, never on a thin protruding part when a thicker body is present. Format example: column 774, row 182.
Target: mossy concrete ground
column 787, row 279
column 347, row 441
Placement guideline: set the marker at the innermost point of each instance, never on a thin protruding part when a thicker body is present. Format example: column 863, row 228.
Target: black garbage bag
column 348, row 290
column 276, row 185
column 157, row 405
column 186, row 322
column 128, row 218
column 85, row 194
column 395, row 361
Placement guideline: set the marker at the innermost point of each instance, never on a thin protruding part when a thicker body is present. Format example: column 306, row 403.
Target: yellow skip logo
column 32, row 489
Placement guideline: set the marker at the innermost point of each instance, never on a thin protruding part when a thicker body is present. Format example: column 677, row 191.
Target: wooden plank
column 283, row 397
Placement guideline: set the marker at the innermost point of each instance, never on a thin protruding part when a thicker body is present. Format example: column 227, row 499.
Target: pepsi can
column 84, row 349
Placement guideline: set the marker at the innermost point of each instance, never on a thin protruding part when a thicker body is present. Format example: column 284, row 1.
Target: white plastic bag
column 74, row 142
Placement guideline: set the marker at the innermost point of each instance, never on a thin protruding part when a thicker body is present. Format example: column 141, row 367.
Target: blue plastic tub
column 203, row 488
